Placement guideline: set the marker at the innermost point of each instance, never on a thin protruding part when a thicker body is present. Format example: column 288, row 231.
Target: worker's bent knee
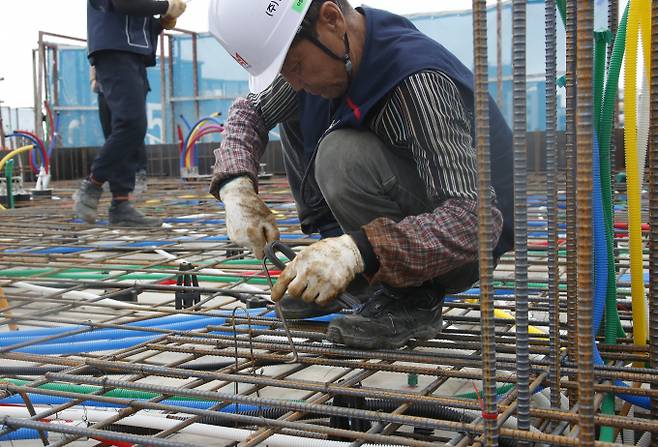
column 345, row 156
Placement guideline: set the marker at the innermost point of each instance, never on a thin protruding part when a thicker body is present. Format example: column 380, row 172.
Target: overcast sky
column 20, row 22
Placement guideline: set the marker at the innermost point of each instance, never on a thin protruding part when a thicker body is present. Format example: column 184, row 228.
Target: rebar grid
column 68, row 257
column 231, row 374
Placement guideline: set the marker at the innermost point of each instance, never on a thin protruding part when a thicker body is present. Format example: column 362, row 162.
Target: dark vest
column 108, row 29
column 394, row 50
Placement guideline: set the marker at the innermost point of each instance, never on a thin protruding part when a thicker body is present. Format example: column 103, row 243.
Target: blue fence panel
column 221, row 79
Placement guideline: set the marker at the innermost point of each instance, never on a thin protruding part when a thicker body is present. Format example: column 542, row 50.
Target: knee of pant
column 331, row 157
column 133, row 124
column 343, row 157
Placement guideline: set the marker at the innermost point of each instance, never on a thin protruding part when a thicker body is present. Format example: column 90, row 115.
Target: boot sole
column 335, row 335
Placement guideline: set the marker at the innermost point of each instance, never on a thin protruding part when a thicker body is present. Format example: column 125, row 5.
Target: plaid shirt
column 425, row 115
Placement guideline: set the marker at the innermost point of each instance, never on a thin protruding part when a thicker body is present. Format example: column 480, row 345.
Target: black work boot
column 390, row 319
column 124, row 214
column 85, row 201
column 297, row 309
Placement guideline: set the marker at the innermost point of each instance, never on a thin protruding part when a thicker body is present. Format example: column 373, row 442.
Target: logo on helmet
column 298, row 5
column 240, row 60
column 271, row 8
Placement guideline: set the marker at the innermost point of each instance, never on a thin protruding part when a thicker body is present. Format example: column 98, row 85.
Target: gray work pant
column 361, row 179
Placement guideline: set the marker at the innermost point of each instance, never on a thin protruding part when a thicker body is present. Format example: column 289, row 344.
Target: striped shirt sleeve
column 246, row 132
column 425, row 114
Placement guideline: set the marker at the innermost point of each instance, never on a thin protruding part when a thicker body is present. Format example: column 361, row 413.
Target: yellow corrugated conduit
column 11, row 155
column 638, row 13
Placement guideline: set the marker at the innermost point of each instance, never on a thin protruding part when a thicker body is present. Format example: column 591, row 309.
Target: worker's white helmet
column 257, row 33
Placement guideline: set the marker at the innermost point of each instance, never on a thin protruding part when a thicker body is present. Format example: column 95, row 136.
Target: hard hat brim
column 259, row 83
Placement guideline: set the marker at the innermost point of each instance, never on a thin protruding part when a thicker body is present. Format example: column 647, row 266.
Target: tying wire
column 253, row 360
column 272, row 257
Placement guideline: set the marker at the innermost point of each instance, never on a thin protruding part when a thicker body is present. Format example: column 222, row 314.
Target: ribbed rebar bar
column 653, row 213
column 521, row 212
column 485, row 229
column 552, row 204
column 91, row 433
column 571, row 159
column 613, row 19
column 499, row 54
column 584, row 142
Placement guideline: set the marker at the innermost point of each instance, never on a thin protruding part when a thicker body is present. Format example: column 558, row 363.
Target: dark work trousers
column 105, row 117
column 361, row 179
column 123, row 79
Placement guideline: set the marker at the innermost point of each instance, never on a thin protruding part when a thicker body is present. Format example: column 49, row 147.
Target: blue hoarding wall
column 221, row 79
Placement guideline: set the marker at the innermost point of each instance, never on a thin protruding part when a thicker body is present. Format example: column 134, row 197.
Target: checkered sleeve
column 246, row 131
column 426, row 246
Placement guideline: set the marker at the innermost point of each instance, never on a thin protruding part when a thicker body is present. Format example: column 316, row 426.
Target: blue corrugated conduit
column 113, row 339
column 601, row 273
column 21, row 434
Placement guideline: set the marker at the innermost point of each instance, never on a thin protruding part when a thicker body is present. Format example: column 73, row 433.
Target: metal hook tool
column 270, row 254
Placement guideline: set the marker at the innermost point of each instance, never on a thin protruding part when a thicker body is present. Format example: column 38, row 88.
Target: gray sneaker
column 125, row 215
column 85, row 201
column 140, row 183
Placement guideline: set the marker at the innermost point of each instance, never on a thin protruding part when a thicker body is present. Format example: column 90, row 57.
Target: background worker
column 105, row 118
column 377, row 134
column 122, row 38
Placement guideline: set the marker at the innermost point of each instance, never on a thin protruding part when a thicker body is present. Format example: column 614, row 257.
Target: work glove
column 321, row 272
column 176, row 9
column 168, row 22
column 249, row 222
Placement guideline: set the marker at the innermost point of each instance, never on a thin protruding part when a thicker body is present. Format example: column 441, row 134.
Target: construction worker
column 378, row 141
column 122, row 37
column 105, row 118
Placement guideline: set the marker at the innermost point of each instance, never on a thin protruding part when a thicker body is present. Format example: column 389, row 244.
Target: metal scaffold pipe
column 585, row 142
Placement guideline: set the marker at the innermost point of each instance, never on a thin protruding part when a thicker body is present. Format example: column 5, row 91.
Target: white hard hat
column 257, row 33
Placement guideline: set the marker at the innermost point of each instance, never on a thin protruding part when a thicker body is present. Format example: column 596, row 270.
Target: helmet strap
column 347, row 60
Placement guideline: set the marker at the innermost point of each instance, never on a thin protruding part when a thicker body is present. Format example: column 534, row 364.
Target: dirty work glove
column 249, row 222
column 176, row 9
column 321, row 271
column 168, row 22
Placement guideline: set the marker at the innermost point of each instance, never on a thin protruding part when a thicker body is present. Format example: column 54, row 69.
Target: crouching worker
column 377, row 135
